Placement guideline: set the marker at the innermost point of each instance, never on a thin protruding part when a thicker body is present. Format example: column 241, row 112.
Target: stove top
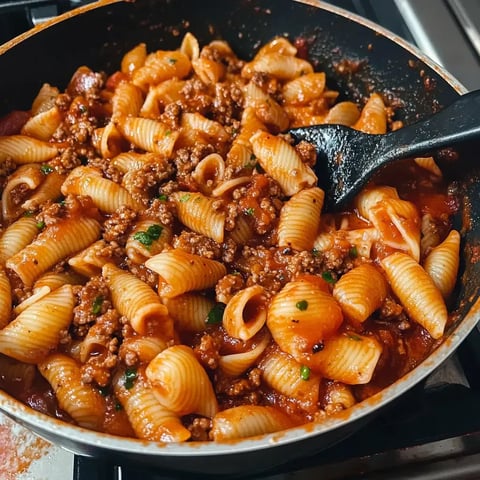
column 434, row 432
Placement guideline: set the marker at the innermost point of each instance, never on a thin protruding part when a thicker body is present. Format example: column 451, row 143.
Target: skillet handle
column 457, row 123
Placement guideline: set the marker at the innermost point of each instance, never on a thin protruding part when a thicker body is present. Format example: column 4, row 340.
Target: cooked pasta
column 167, row 263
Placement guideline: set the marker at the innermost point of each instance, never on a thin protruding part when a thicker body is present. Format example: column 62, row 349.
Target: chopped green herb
column 302, row 305
column 41, row 225
column 168, row 133
column 143, row 237
column 62, row 203
column 28, row 213
column 185, row 197
column 353, row 252
column 162, row 197
column 250, row 211
column 304, row 372
column 154, row 231
column 315, row 252
column 46, row 169
column 352, row 336
column 328, row 277
column 172, row 61
column 97, row 305
column 215, row 315
column 130, row 377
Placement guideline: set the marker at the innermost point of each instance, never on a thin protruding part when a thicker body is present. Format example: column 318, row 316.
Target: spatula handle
column 459, row 122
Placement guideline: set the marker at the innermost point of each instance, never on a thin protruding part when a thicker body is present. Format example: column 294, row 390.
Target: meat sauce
column 85, row 108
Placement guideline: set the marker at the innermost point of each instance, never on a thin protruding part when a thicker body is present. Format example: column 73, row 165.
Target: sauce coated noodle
column 168, row 271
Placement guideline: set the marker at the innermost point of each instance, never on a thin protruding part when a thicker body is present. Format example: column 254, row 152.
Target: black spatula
column 348, row 158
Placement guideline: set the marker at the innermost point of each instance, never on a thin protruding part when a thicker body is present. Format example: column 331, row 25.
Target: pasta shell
column 360, row 292
column 301, row 316
column 417, row 293
column 442, row 263
column 180, row 383
column 246, row 313
column 349, row 358
column 247, row 421
column 23, row 149
column 36, row 331
column 81, row 401
column 138, row 302
column 183, row 272
column 189, row 311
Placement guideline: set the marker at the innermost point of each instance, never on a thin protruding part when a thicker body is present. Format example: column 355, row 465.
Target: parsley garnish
column 250, row 211
column 328, row 277
column 352, row 336
column 41, row 225
column 162, row 197
column 46, row 169
column 147, row 237
column 97, row 305
column 353, row 252
column 304, row 372
column 28, row 213
column 302, row 305
column 185, row 197
column 215, row 315
column 130, row 377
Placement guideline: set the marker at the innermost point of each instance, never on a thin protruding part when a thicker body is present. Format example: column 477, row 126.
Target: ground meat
column 307, row 152
column 197, row 97
column 228, row 286
column 268, row 84
column 260, row 201
column 171, row 116
column 199, row 429
column 227, row 103
column 207, row 351
column 87, row 83
column 163, row 211
column 197, row 244
column 93, row 299
column 143, row 273
column 229, row 251
column 118, row 225
column 186, row 159
column 103, row 359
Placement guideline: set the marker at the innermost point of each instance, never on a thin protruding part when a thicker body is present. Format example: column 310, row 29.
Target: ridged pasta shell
column 373, row 117
column 442, row 263
column 301, row 316
column 22, row 149
column 281, row 161
column 138, row 302
column 349, row 358
column 17, row 236
column 197, row 212
column 300, row 219
column 246, row 313
column 5, row 299
column 149, row 418
column 417, row 293
column 360, row 292
column 234, row 364
column 107, row 195
column 247, row 421
column 57, row 242
column 304, row 89
column 189, row 311
column 183, row 272
column 283, row 373
column 43, row 124
column 36, row 331
column 180, row 383
column 81, row 401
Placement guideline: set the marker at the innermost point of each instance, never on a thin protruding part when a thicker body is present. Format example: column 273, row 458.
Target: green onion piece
column 41, row 225
column 304, row 372
column 143, row 237
column 28, row 213
column 154, row 231
column 185, row 197
column 328, row 277
column 46, row 169
column 162, row 197
column 302, row 305
column 215, row 315
column 97, row 305
column 352, row 336
column 250, row 211
column 130, row 377
column 353, row 252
